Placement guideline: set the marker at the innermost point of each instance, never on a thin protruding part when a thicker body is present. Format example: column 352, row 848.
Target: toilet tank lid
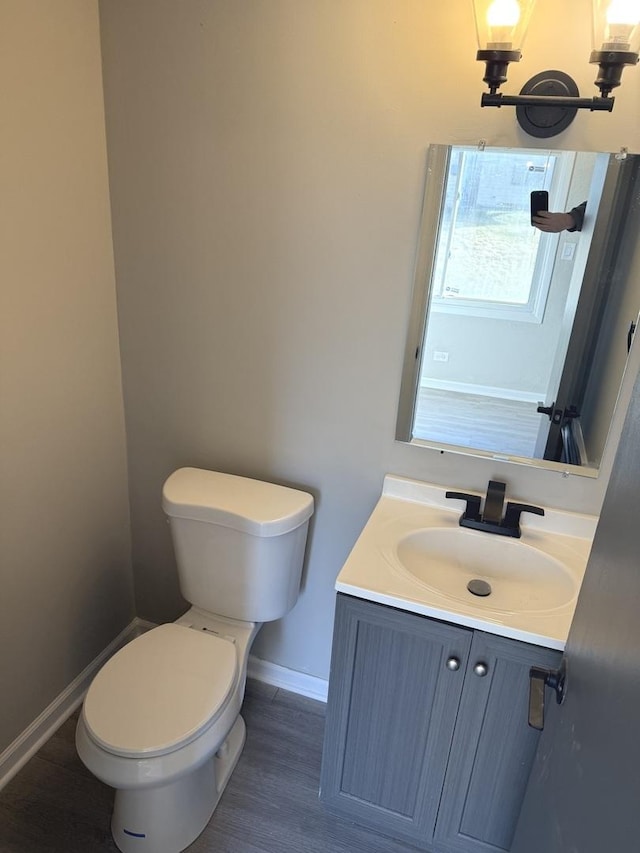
column 252, row 506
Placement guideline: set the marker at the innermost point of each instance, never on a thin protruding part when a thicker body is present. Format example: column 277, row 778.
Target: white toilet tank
column 239, row 543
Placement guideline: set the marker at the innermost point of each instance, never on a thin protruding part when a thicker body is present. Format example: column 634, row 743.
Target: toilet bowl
column 161, row 720
column 161, row 725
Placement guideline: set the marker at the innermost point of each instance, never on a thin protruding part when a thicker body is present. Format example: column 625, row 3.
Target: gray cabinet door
column 391, row 713
column 493, row 748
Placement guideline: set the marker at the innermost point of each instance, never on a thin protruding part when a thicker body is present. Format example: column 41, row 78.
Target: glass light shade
column 616, row 25
column 502, row 24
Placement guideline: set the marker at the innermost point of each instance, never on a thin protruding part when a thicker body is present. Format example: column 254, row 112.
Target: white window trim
column 531, row 312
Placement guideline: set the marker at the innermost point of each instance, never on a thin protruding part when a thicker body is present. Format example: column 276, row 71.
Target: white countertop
column 374, row 572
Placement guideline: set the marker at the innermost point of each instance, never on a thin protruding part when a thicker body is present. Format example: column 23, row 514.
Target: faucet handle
column 472, row 510
column 513, row 512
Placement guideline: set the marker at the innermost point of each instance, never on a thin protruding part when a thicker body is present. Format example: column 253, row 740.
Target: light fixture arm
column 497, row 99
column 549, row 101
column 610, row 67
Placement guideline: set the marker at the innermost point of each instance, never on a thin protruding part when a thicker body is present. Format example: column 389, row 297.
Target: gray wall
column 64, row 527
column 496, row 353
column 266, row 166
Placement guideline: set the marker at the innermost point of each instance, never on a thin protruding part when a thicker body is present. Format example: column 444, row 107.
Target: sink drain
column 478, row 587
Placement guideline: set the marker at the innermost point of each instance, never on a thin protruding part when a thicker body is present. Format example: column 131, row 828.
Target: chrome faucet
column 491, row 520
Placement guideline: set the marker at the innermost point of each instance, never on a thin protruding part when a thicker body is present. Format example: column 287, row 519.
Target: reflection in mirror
column 519, row 333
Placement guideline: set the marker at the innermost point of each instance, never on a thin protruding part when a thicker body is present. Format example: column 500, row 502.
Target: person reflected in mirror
column 553, row 223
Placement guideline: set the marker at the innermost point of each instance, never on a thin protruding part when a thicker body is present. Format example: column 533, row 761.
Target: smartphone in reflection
column 539, row 202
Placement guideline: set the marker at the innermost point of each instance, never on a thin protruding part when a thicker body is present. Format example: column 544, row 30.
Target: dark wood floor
column 271, row 805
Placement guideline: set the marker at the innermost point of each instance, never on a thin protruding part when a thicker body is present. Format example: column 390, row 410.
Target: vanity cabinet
column 426, row 731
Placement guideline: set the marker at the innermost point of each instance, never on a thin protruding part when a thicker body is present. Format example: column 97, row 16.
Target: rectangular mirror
column 519, row 332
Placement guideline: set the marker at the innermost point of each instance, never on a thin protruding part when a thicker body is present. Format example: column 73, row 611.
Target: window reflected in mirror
column 489, row 260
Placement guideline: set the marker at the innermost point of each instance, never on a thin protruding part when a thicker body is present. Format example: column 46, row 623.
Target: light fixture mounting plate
column 545, row 121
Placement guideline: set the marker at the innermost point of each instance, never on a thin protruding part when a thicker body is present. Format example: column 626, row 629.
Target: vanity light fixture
column 548, row 102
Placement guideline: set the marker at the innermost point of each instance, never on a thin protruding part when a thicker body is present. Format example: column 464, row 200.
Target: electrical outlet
column 440, row 356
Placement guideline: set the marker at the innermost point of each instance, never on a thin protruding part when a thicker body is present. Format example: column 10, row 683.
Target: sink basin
column 413, row 555
column 522, row 578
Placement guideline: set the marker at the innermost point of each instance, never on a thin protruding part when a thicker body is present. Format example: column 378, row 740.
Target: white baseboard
column 24, row 747
column 288, row 679
column 483, row 390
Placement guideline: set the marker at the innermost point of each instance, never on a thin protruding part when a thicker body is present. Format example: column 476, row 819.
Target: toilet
column 161, row 720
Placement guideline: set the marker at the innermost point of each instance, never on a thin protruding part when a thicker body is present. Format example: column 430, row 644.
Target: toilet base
column 169, row 818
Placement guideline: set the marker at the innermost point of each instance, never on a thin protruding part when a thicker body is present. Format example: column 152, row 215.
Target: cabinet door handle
column 538, row 679
column 453, row 664
column 480, row 669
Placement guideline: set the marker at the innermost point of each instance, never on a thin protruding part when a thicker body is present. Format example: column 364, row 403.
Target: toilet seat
column 160, row 691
